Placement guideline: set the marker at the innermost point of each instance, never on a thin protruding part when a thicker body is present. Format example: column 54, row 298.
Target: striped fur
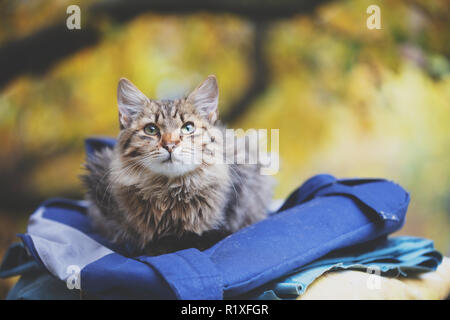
column 139, row 199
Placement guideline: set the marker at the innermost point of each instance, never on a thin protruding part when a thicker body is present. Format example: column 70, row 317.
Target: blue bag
column 323, row 215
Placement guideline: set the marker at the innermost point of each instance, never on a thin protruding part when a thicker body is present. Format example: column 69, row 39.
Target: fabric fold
column 394, row 257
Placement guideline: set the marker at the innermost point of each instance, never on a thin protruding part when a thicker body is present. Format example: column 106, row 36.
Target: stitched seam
column 202, row 275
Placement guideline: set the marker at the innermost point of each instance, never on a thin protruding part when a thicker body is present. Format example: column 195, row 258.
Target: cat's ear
column 130, row 100
column 205, row 98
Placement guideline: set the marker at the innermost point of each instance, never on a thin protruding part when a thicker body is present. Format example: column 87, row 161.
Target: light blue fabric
column 393, row 257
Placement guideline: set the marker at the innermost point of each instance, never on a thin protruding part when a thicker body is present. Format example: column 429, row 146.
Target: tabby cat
column 148, row 193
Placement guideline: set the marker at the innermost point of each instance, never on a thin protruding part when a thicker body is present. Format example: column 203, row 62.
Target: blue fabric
column 393, row 257
column 323, row 215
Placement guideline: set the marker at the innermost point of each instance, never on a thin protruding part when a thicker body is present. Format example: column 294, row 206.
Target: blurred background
column 348, row 101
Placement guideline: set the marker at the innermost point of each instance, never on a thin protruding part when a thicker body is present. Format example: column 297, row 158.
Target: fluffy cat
column 148, row 193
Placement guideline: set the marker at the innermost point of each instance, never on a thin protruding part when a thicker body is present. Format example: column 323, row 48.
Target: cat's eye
column 151, row 129
column 188, row 128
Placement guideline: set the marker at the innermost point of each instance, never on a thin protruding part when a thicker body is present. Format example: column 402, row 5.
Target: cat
column 147, row 193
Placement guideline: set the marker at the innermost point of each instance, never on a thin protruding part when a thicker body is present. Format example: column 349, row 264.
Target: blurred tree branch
column 260, row 77
column 40, row 51
column 37, row 52
column 251, row 9
column 17, row 194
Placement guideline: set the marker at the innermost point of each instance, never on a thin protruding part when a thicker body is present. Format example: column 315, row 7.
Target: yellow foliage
column 347, row 100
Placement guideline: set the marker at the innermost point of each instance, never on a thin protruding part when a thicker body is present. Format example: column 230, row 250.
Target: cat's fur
column 157, row 201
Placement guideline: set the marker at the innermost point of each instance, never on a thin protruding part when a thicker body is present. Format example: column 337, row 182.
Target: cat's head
column 168, row 137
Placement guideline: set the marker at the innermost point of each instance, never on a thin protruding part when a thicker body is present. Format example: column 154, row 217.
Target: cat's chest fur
column 161, row 206
column 158, row 214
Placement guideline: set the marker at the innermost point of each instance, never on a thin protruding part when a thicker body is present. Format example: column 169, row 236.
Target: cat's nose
column 169, row 147
column 169, row 142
